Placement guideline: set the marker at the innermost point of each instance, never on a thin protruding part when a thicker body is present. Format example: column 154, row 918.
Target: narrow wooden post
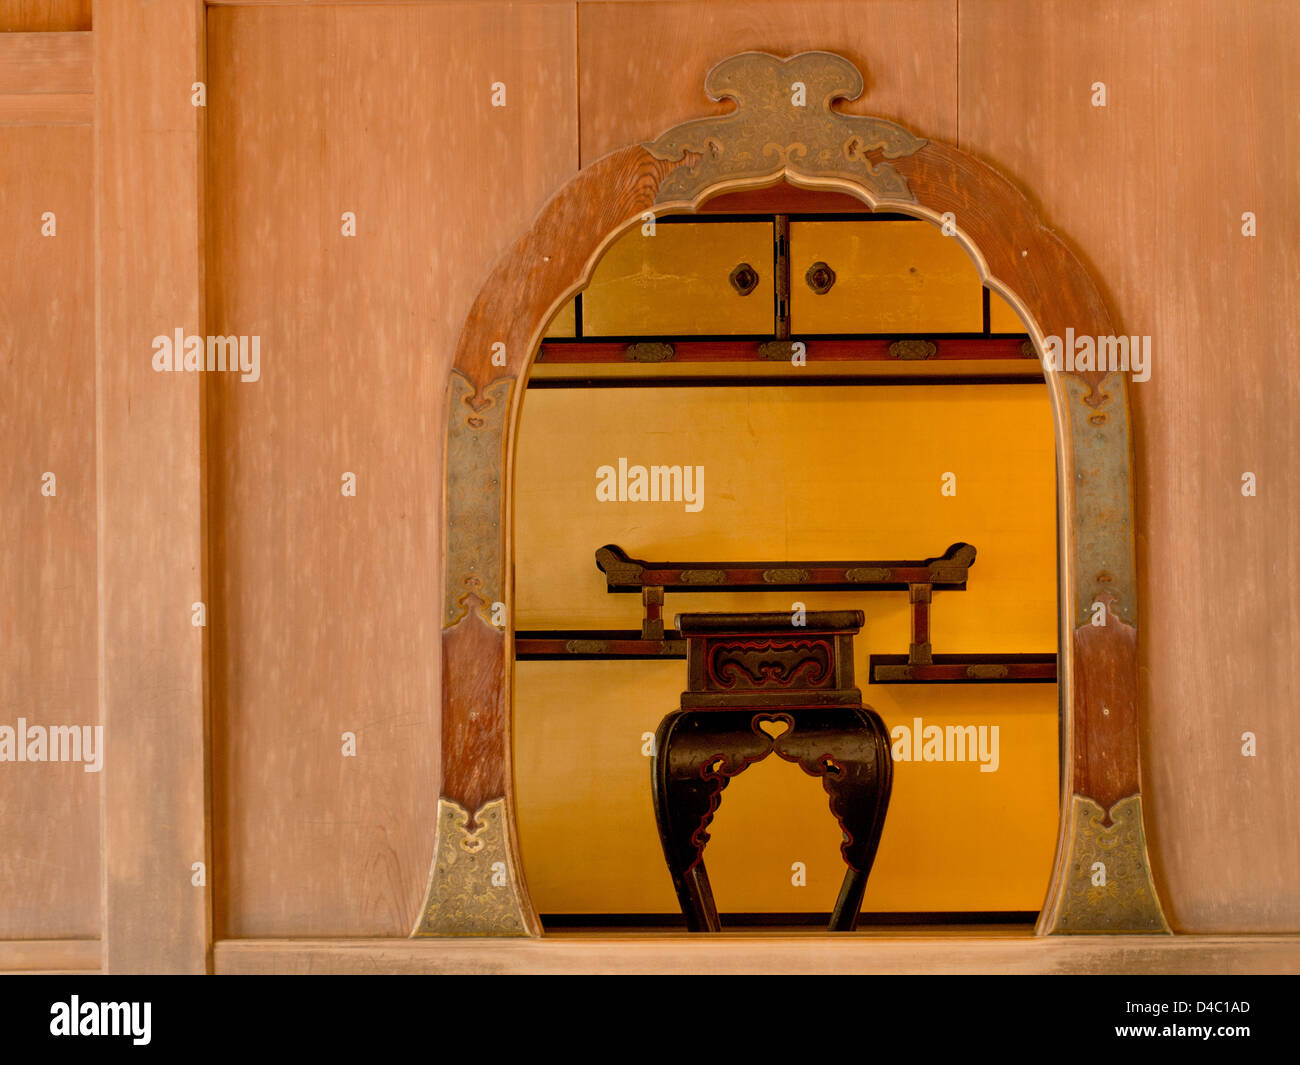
column 152, row 545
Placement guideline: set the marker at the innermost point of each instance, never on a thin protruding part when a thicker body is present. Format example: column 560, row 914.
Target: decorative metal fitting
column 649, row 352
column 912, row 349
column 820, row 278
column 744, row 279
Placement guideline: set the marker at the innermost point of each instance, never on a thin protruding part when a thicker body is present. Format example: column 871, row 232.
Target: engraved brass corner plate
column 471, row 888
column 1108, row 884
column 783, row 124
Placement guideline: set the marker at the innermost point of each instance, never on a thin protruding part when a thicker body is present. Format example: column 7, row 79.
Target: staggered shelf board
column 557, row 645
column 965, row 669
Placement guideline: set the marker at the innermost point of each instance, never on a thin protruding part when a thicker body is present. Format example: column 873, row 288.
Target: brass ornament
column 703, row 576
column 913, row 350
column 1127, row 901
column 783, row 124
column 475, row 462
column 785, row 576
column 649, row 352
column 869, row 574
column 472, row 888
column 776, row 350
column 987, row 672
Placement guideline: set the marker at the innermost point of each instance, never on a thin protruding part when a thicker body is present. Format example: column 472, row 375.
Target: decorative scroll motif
column 474, row 502
column 648, row 352
column 785, row 576
column 587, row 647
column 749, row 665
column 912, row 350
column 472, row 887
column 950, row 570
column 783, row 124
column 616, row 566
column 1117, row 853
column 1103, row 497
column 703, row 576
column 993, row 672
column 869, row 574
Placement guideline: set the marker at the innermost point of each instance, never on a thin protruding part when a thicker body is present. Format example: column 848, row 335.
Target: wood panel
column 45, row 63
column 44, row 16
column 974, row 953
column 49, row 878
column 1151, row 188
column 148, row 169
column 49, row 955
column 326, row 616
column 633, row 85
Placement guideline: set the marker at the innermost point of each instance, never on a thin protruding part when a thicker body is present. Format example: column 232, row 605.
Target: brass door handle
column 820, row 277
column 744, row 279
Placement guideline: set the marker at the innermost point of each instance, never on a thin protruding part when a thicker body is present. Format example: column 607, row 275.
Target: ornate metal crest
column 783, row 123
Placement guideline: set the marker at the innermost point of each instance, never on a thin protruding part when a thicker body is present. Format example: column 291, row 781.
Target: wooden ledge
column 736, row 953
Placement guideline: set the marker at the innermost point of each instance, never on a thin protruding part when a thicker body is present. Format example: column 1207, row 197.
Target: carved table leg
column 848, row 748
column 696, row 753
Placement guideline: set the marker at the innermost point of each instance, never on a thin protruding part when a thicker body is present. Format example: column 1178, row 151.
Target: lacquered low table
column 758, row 684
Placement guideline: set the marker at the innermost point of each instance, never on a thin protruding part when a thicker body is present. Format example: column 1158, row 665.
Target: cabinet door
column 562, row 325
column 684, row 280
column 888, row 277
column 1002, row 317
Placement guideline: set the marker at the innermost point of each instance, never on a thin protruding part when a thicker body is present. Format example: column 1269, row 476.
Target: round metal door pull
column 820, row 278
column 744, row 279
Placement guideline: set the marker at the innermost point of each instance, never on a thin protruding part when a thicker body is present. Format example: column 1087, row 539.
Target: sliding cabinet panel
column 1002, row 319
column 889, row 277
column 562, row 325
column 678, row 281
column 790, row 473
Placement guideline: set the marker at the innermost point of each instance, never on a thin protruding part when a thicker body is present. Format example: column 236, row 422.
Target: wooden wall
column 322, row 612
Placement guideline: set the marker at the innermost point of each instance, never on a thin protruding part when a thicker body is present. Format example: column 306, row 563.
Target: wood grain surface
column 44, row 16
column 149, row 262
column 975, row 953
column 326, row 616
column 1151, row 190
column 323, row 609
column 45, row 63
column 49, row 812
